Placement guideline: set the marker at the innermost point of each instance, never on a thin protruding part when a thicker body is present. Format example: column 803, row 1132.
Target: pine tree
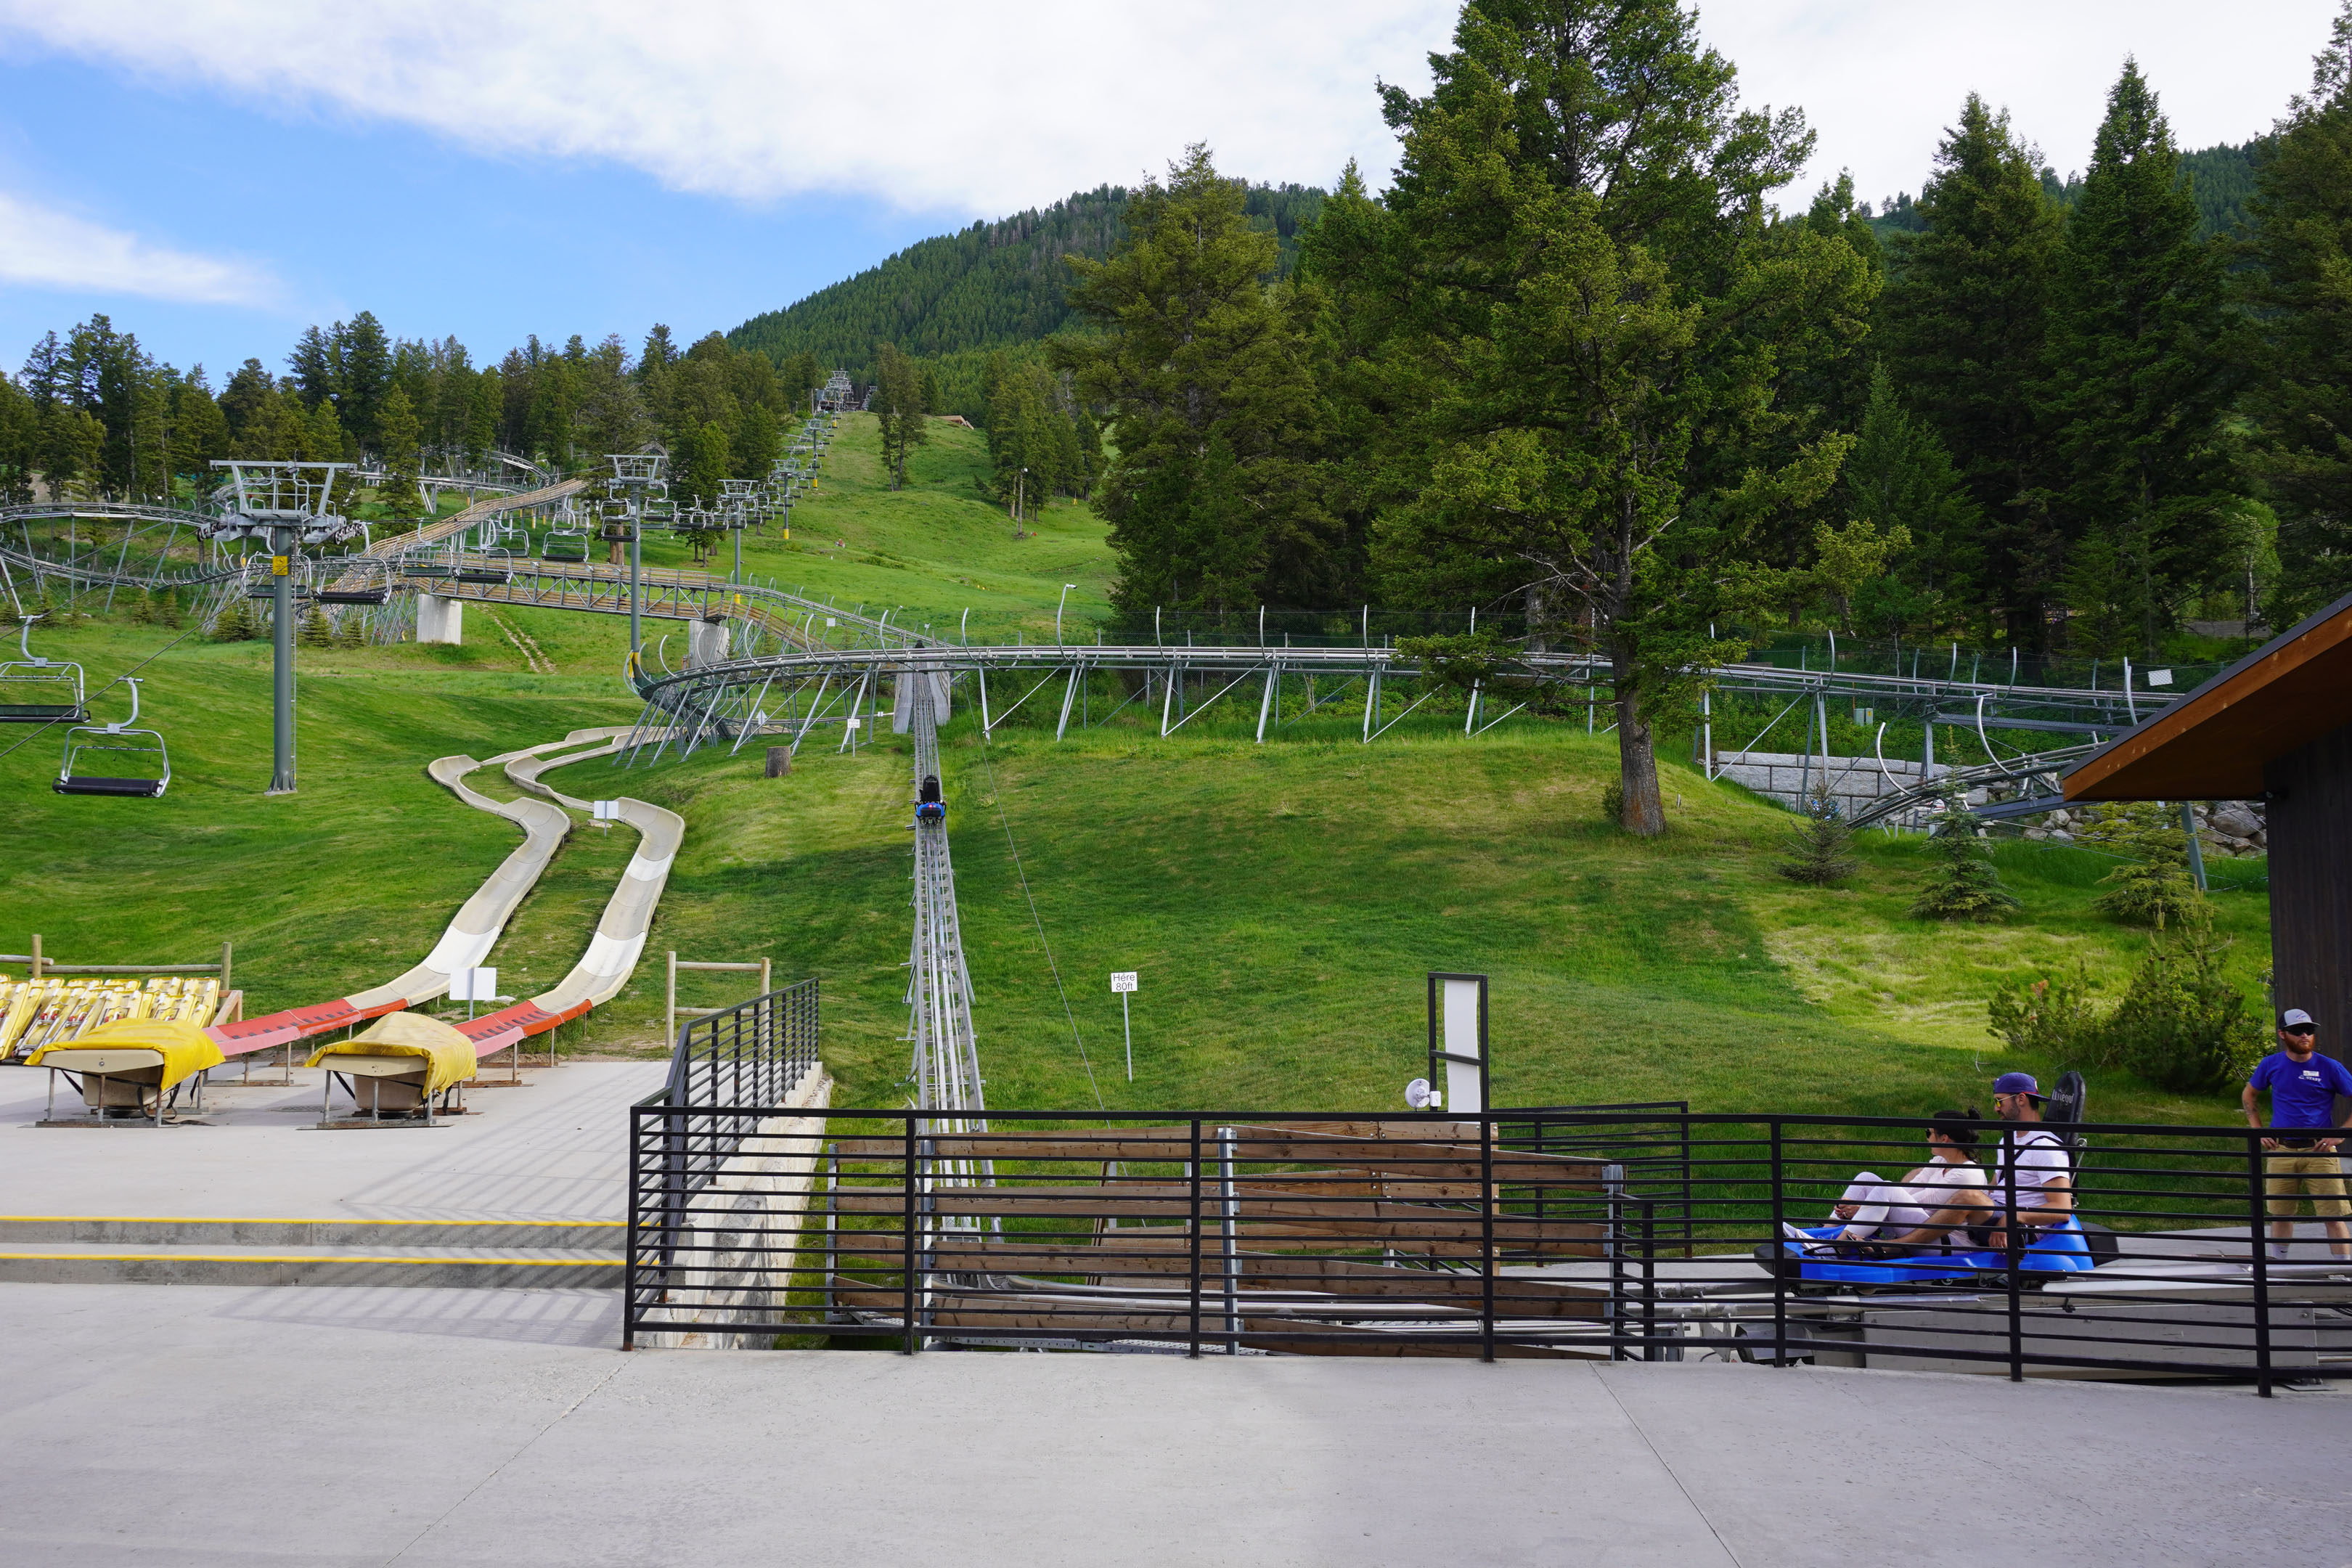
column 899, row 407
column 1962, row 883
column 1819, row 849
column 1900, row 476
column 1966, row 327
column 2135, row 384
column 398, row 494
column 1194, row 348
column 2152, row 886
column 314, row 631
column 482, row 417
column 2300, row 311
column 235, row 622
column 1570, row 308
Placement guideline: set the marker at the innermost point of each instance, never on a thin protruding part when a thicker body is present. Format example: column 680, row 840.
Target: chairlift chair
column 564, row 545
column 497, row 566
column 124, row 737
column 36, row 690
column 361, row 581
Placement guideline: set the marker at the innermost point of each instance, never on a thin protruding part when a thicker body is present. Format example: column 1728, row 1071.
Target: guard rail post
column 2256, row 1191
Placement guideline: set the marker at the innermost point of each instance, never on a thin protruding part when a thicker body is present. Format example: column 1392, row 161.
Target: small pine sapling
column 1819, row 849
column 2154, row 887
column 1962, row 883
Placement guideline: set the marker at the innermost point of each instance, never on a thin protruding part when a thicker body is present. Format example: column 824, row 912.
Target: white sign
column 1123, row 981
column 831, row 622
column 2159, row 678
column 854, row 723
column 474, row 985
column 605, row 810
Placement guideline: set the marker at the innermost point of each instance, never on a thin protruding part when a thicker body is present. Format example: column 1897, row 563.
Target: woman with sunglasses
column 2299, row 1158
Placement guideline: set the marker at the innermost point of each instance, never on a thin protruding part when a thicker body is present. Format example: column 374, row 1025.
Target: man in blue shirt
column 2300, row 1155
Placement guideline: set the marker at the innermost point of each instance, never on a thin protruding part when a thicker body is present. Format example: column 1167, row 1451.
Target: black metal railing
column 723, row 1066
column 1648, row 1234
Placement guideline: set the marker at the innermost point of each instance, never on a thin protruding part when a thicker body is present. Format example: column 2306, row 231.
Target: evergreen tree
column 200, row 432
column 899, row 405
column 242, row 400
column 1195, row 348
column 314, row 631
column 397, row 423
column 611, row 416
column 1820, row 849
column 482, row 417
column 2152, row 886
column 2300, row 312
column 363, row 360
column 20, row 424
column 2135, row 387
column 1966, row 325
column 1900, row 476
column 313, row 365
column 1962, row 883
column 1572, row 307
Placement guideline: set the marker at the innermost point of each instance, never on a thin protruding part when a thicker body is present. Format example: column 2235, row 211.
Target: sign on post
column 472, row 985
column 1457, row 1038
column 280, row 567
column 1122, row 984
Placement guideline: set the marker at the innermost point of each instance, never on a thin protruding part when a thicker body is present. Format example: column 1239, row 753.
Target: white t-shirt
column 2041, row 1160
column 1890, row 1208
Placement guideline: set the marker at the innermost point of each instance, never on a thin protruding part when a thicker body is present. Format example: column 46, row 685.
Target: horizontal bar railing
column 1649, row 1233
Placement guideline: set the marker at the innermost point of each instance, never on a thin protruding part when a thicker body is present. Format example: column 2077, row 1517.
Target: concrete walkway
column 204, row 1425
column 556, row 1148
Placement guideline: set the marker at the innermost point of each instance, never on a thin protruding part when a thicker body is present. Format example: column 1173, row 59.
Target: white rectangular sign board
column 474, row 985
column 1460, row 1004
column 1123, row 981
column 605, row 810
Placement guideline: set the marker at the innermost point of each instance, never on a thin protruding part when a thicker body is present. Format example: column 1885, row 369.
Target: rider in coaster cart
column 929, row 806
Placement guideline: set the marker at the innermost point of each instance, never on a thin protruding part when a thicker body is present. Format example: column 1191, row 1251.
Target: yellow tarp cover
column 410, row 1035
column 186, row 1048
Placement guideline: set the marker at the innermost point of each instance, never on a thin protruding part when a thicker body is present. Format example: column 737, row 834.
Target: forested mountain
column 2221, row 180
column 994, row 285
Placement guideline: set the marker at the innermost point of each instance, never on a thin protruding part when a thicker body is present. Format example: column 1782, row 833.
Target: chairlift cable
column 112, row 684
column 1038, row 921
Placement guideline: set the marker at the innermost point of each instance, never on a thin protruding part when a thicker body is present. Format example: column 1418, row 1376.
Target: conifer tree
column 1962, row 883
column 1966, row 325
column 1195, row 347
column 314, row 632
column 1570, row 309
column 1819, row 848
column 2135, row 382
column 2300, row 312
column 1900, row 476
column 899, row 408
column 398, row 494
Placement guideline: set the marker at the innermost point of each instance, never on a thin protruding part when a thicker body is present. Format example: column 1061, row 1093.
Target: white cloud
column 1880, row 82
column 45, row 248
column 983, row 109
column 974, row 108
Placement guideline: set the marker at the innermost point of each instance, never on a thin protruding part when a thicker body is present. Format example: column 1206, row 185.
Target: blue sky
column 216, row 174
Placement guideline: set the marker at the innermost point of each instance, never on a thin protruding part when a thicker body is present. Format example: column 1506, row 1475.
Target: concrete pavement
column 209, row 1424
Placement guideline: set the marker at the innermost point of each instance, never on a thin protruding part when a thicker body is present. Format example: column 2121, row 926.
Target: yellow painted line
column 186, row 1219
column 303, row 1257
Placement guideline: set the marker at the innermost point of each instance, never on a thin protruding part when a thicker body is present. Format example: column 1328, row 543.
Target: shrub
column 2048, row 1017
column 2182, row 1025
column 1818, row 849
column 1612, row 801
column 1962, row 884
column 2154, row 886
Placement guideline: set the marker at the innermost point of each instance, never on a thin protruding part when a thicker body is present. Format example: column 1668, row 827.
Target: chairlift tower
column 637, row 480
column 284, row 506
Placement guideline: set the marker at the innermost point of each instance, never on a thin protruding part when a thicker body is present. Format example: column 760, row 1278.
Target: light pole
column 1058, row 612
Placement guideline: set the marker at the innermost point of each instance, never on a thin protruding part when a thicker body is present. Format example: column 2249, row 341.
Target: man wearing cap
column 2298, row 1158
column 2033, row 1178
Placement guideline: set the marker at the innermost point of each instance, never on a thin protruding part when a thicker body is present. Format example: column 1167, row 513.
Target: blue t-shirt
column 2303, row 1094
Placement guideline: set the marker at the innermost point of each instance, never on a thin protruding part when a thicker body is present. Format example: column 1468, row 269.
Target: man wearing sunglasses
column 2300, row 1157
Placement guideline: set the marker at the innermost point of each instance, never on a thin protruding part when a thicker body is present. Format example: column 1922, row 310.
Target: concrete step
column 590, row 1236
column 92, row 1263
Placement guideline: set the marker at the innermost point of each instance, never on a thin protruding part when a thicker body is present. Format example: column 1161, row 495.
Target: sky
column 218, row 174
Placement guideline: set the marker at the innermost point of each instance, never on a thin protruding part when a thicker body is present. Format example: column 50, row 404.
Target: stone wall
column 1854, row 782
column 2223, row 826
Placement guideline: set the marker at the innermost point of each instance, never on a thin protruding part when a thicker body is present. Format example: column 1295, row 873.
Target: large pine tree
column 1197, row 349
column 2136, row 384
column 2300, row 288
column 1573, row 308
column 1966, row 325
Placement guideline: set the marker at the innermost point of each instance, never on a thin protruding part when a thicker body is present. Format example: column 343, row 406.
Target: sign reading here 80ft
column 1124, row 980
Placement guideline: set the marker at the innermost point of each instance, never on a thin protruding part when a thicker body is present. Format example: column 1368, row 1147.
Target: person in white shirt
column 1931, row 1202
column 1948, row 1194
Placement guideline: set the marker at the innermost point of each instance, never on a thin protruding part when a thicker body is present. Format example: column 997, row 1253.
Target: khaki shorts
column 2319, row 1177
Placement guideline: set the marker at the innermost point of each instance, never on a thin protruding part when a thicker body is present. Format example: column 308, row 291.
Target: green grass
column 930, row 551
column 1282, row 902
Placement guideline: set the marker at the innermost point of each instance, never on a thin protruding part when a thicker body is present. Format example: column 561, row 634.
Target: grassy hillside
column 1282, row 902
column 930, row 552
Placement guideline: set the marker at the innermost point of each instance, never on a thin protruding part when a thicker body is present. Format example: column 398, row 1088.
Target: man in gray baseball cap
column 2299, row 1158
